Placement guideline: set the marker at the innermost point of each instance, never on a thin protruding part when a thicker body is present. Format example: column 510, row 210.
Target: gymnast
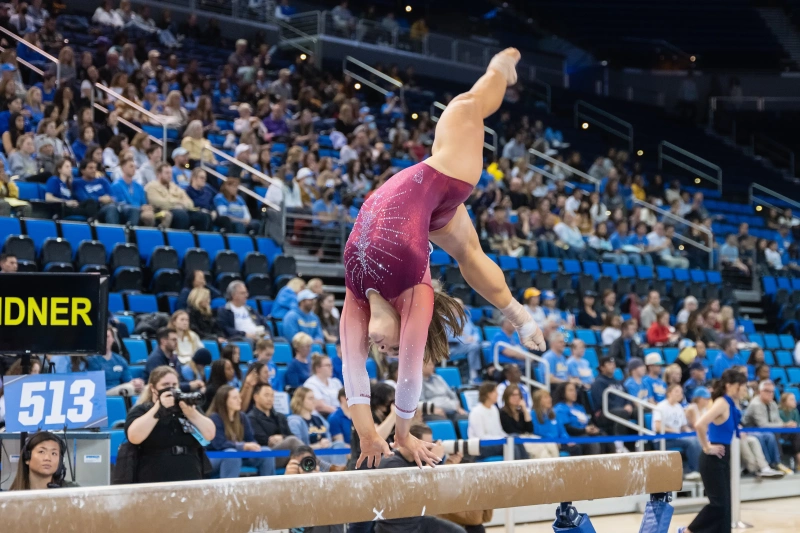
column 389, row 303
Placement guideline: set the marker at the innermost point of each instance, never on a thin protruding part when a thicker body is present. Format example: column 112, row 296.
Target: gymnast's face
column 384, row 333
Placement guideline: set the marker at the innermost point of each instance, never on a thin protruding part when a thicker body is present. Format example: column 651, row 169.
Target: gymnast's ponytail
column 448, row 316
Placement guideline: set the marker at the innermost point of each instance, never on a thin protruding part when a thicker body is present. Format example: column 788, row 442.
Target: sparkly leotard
column 388, row 252
column 388, row 248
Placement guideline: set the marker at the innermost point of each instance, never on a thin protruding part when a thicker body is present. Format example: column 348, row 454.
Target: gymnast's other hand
column 373, row 448
column 715, row 449
column 419, row 451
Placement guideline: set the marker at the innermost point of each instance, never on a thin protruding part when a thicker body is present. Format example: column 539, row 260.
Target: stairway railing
column 491, row 146
column 715, row 175
column 610, row 123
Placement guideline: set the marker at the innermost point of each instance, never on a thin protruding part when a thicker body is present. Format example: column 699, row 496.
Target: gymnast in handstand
column 390, row 303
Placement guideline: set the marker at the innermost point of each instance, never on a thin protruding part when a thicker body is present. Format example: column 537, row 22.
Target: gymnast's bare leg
column 458, row 152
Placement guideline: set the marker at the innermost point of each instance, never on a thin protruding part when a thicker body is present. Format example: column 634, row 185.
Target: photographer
column 167, row 434
column 41, row 463
column 304, row 461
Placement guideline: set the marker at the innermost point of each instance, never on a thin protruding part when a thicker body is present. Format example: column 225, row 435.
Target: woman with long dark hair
column 715, row 431
column 547, row 425
column 221, row 374
column 330, row 323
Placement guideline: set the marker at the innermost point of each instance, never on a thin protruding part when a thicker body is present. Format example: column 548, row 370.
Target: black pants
column 716, row 516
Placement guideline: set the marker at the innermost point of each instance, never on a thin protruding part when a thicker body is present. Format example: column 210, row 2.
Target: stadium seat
column 137, row 350
column 127, row 320
column 147, row 240
column 588, row 336
column 127, row 279
column 181, row 241
column 463, row 428
column 245, row 351
column 110, row 236
column 269, row 248
column 793, row 374
column 784, row 358
column 697, row 276
column 142, row 303
column 90, row 254
column 439, row 258
column 258, row 285
column 548, row 265
column 211, row 243
column 226, row 261
column 196, row 259
column 77, row 233
column 213, row 347
column 778, row 375
column 117, row 438
column 372, row 368
column 529, row 264
column 442, row 430
column 115, row 302
column 787, row 342
column 451, row 376
column 55, row 250
column 166, row 280
column 283, row 353
column 39, row 231
column 771, row 341
column 117, row 413
column 164, row 257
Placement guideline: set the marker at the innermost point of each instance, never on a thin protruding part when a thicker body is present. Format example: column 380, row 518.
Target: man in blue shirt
column 303, row 319
column 556, row 360
column 656, row 386
column 48, row 86
column 341, row 426
column 697, row 379
column 635, row 385
column 229, row 204
column 90, row 187
column 118, row 375
column 130, row 194
column 508, row 334
column 180, row 173
column 729, row 357
column 165, row 355
column 579, row 368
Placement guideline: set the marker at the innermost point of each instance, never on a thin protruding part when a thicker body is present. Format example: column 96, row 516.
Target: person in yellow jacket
column 199, row 147
column 9, row 197
column 173, row 204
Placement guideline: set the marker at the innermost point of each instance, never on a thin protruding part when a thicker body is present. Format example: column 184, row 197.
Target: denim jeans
column 474, row 354
column 770, row 446
column 232, row 468
column 690, row 447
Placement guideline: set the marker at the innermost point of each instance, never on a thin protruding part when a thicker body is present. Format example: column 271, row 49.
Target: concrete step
column 747, row 296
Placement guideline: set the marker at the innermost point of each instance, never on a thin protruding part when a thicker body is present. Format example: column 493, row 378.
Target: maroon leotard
column 387, row 250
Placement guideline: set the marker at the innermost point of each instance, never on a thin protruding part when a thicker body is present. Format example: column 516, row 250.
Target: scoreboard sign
column 53, row 313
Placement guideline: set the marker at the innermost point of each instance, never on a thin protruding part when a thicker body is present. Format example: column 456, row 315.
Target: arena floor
column 768, row 516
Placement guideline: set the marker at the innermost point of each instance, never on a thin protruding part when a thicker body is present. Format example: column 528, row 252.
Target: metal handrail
column 526, row 379
column 659, row 42
column 759, row 100
column 773, row 143
column 489, row 146
column 549, row 175
column 301, row 34
column 661, row 158
column 244, row 166
column 374, row 72
column 131, row 125
column 242, row 188
column 772, row 193
column 573, row 170
column 157, row 119
column 625, row 136
column 641, row 405
column 38, row 50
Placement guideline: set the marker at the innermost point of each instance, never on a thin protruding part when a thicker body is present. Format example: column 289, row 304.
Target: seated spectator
column 164, row 355
column 221, row 373
column 276, row 124
column 303, row 319
column 729, row 255
column 669, row 418
column 689, row 306
column 118, row 375
column 42, row 470
column 59, row 190
column 237, row 319
column 635, row 385
column 660, row 245
column 91, row 187
column 601, row 244
column 626, row 347
column 46, row 158
column 503, row 236
column 307, row 426
column 299, row 368
column 660, row 333
column 180, row 169
column 728, row 358
column 791, row 419
column 116, row 148
column 340, row 423
column 324, row 308
column 201, row 317
column 164, row 195
column 195, row 279
column 531, row 300
column 579, row 370
column 616, row 404
column 763, row 412
column 697, row 379
column 22, row 162
column 235, row 434
column 561, row 319
column 232, row 353
column 257, row 373
column 324, row 386
column 188, row 341
column 576, row 421
column 515, row 416
column 7, row 119
column 589, row 318
column 147, row 171
column 435, row 390
column 612, row 329
column 570, row 236
column 271, row 428
column 547, row 425
column 9, row 197
column 8, row 264
column 195, row 369
column 230, row 204
column 263, row 352
column 286, row 299
column 47, row 131
column 512, row 377
column 556, row 360
column 484, row 423
column 17, row 128
column 130, row 194
column 156, row 425
column 650, row 311
column 202, row 195
column 696, row 330
column 509, row 335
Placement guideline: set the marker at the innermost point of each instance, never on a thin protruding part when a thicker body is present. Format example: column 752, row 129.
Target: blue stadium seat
column 241, row 245
column 787, row 341
column 117, row 438
column 714, row 277
column 644, row 272
column 627, row 271
column 463, row 428
column 548, row 264
column 771, row 341
column 110, row 236
column 211, row 243
column 610, row 270
column 770, row 286
column 592, row 268
column 490, row 331
column 283, row 353
column 529, row 264
column 671, row 355
column 245, row 351
column 664, row 272
column 142, row 303
column 181, row 241
column 757, row 338
column 442, row 430
column 618, row 375
column 147, row 239
column 451, row 376
column 137, row 349
column 269, row 248
column 747, row 324
column 116, row 410
column 591, row 356
column 796, row 284
column 793, row 373
column 75, row 233
column 372, row 368
column 588, row 336
column 769, row 358
column 127, row 320
column 680, row 274
column 778, row 373
column 39, row 231
column 9, row 226
column 30, row 191
column 697, row 276
column 784, row 283
column 784, row 358
column 115, row 302
column 266, row 306
column 213, row 347
column 571, row 266
column 508, row 263
column 440, row 257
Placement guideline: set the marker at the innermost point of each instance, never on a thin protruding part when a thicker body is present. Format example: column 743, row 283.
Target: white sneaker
column 769, row 472
column 692, row 476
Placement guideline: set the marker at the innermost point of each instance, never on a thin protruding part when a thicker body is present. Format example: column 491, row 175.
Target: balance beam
column 249, row 505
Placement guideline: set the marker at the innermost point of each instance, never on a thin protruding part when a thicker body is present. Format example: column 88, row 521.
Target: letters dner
column 55, row 311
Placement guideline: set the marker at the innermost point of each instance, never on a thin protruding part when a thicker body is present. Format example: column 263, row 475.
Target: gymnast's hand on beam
column 420, row 451
column 373, row 448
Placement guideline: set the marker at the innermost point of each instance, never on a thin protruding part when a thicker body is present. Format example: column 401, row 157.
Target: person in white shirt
column 531, row 299
column 689, row 305
column 773, row 256
column 484, row 423
column 573, row 203
column 612, row 330
column 105, row 15
column 669, row 417
column 660, row 244
column 513, row 376
column 325, row 386
column 244, row 318
column 568, row 233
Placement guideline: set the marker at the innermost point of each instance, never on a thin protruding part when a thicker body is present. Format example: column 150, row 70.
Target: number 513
column 32, row 404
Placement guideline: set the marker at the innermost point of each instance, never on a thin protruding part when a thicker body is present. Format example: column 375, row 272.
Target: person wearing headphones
column 42, row 463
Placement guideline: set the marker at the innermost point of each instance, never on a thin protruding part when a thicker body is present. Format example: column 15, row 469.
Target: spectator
column 22, row 162
column 763, row 412
column 612, row 329
column 307, row 426
column 188, row 341
column 98, row 189
column 257, row 373
column 341, row 426
column 569, row 234
column 729, row 255
column 661, row 245
column 791, row 418
column 729, row 357
column 303, row 319
column 147, row 171
column 577, row 423
column 271, row 428
column 152, row 66
column 235, row 434
column 14, row 106
column 282, row 88
column 531, row 299
column 602, row 246
column 589, row 318
column 195, row 279
column 669, row 418
column 230, row 204
column 58, row 190
column 164, row 195
column 616, row 405
column 41, row 466
column 435, row 390
column 508, row 335
column 276, row 124
column 625, row 347
column 547, row 425
column 299, row 368
column 8, row 263
column 202, row 195
column 578, row 369
column 608, row 305
column 286, row 299
column 197, row 147
column 697, row 379
column 164, row 355
column 635, row 384
column 660, row 333
column 696, row 330
column 515, row 415
column 555, row 358
column 157, row 426
column 232, row 353
column 221, row 373
column 324, row 308
column 689, row 306
column 131, row 197
column 650, row 311
column 16, row 129
column 201, row 317
column 115, row 367
column 324, row 386
column 195, row 369
column 484, row 422
column 237, row 319
column 656, row 386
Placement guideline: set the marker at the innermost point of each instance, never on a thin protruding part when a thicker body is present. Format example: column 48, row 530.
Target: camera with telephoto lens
column 189, row 398
column 308, row 463
column 463, row 447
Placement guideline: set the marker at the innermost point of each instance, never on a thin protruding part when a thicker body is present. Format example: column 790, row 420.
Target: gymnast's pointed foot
column 505, row 63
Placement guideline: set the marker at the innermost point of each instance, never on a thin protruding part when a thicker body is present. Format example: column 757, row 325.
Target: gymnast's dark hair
column 449, row 316
column 730, row 377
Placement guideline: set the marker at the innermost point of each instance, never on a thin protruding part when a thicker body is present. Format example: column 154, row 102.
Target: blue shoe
column 681, row 529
